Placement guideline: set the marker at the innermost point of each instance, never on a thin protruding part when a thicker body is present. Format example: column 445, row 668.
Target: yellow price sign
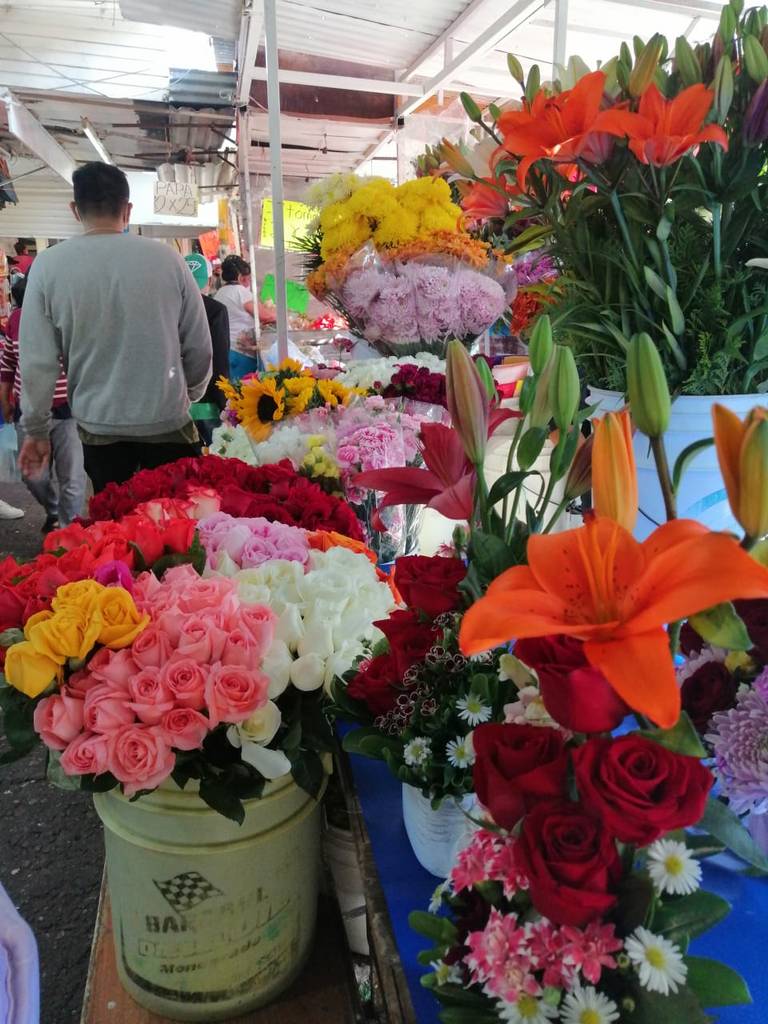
column 296, row 218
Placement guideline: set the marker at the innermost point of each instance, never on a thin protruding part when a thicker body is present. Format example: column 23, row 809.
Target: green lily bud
column 755, row 60
column 751, row 26
column 533, row 84
column 737, row 6
column 515, row 68
column 471, row 109
column 484, row 372
column 625, row 55
column 727, row 26
column 647, row 386
column 723, row 86
column 685, row 60
column 565, row 388
column 542, row 410
column 647, row 63
column 468, row 401
column 540, row 345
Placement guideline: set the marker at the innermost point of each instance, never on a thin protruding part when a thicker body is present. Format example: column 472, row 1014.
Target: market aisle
column 50, row 846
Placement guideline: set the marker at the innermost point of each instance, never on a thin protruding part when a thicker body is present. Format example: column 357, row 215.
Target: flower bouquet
column 398, row 265
column 375, row 375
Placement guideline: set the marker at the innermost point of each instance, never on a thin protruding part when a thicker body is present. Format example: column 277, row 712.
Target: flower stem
column 665, row 480
column 673, row 631
column 510, row 460
column 623, row 227
column 717, row 215
column 557, row 513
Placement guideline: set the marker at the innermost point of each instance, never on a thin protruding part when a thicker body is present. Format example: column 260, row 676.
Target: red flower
column 430, row 585
column 576, row 695
column 488, row 199
column 755, row 616
column 409, row 639
column 639, row 789
column 571, row 863
column 11, row 608
column 375, row 685
column 516, row 766
column 709, row 689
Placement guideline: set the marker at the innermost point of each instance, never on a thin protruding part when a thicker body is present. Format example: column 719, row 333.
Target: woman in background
column 237, row 296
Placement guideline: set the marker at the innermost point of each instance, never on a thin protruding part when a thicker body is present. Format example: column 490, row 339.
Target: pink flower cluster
column 251, row 542
column 489, row 857
column 380, row 438
column 191, row 669
column 413, row 302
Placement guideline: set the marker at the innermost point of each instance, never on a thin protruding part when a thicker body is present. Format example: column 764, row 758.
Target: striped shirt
column 9, row 363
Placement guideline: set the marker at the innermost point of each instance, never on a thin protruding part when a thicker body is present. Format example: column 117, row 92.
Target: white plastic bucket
column 210, row 919
column 436, row 837
column 702, row 493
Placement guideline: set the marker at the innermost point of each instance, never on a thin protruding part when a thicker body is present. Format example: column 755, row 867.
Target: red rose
column 375, row 685
column 575, row 694
column 571, row 863
column 430, row 584
column 77, row 564
column 639, row 789
column 709, row 689
column 409, row 639
column 755, row 616
column 11, row 609
column 67, row 537
column 515, row 767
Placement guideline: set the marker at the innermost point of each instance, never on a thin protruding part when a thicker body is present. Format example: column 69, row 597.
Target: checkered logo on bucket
column 186, row 891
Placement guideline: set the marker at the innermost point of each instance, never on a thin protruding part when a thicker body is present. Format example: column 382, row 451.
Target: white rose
column 262, row 725
column 253, row 593
column 290, row 627
column 317, row 638
column 276, row 664
column 339, row 663
column 308, row 672
column 225, row 565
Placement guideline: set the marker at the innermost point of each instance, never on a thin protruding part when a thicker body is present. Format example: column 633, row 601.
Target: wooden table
column 324, row 994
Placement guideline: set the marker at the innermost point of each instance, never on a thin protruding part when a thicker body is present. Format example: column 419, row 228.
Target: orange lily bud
column 614, row 474
column 579, row 479
column 453, row 156
column 468, row 401
column 742, row 451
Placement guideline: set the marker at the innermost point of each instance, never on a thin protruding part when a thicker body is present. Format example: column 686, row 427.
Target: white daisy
column 527, row 1010
column 659, row 963
column 673, row 868
column 417, row 752
column 436, row 900
column 460, row 752
column 472, row 710
column 446, row 974
column 588, row 1006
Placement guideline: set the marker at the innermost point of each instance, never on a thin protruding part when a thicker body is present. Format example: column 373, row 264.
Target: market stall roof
column 392, row 56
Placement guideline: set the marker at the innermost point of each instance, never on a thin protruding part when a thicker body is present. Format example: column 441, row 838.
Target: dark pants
column 116, row 463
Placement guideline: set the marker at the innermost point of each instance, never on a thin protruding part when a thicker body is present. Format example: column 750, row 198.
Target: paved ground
column 50, row 841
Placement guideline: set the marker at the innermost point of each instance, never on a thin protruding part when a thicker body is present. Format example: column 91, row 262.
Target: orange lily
column 664, row 130
column 614, row 473
column 559, row 128
column 487, row 199
column 599, row 584
column 742, row 451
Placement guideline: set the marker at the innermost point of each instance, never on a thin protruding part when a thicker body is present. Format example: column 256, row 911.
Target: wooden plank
column 322, row 995
column 392, row 997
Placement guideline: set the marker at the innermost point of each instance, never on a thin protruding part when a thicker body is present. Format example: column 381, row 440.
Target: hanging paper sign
column 296, row 219
column 176, row 198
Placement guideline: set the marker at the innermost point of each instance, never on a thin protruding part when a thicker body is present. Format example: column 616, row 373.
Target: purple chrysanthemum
column 740, row 741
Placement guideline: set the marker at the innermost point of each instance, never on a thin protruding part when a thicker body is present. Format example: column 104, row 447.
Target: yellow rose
column 69, row 633
column 29, row 671
column 83, row 595
column 34, row 619
column 121, row 621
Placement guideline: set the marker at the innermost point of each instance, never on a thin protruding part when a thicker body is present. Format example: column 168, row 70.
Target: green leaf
column 720, row 821
column 655, row 283
column 371, row 743
column 722, row 627
column 685, row 458
column 652, row 1008
column 308, row 772
column 675, row 312
column 715, row 983
column 9, row 637
column 531, row 444
column 218, row 795
column 635, row 897
column 439, row 930
column 506, row 484
column 689, row 915
column 682, row 738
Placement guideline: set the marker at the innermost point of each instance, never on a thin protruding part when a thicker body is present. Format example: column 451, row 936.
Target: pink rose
column 184, row 729
column 152, row 648
column 258, row 550
column 150, row 697
column 59, row 719
column 202, row 594
column 185, row 680
column 140, row 758
column 87, row 754
column 232, row 693
column 113, row 667
column 180, row 576
column 205, row 502
column 260, row 622
column 240, row 649
column 200, row 639
column 79, row 683
column 106, row 708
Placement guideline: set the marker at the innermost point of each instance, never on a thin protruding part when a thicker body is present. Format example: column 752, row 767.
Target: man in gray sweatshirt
column 124, row 317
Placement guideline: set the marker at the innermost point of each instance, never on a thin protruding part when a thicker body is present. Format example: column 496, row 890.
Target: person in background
column 22, row 261
column 237, row 296
column 218, row 324
column 124, row 316
column 63, row 498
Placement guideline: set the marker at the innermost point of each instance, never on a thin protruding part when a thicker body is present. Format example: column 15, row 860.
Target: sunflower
column 333, row 393
column 288, row 365
column 228, row 389
column 299, row 392
column 262, row 404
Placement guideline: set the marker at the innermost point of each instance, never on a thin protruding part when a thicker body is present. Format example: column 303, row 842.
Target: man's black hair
column 21, row 246
column 17, row 291
column 233, row 267
column 101, row 190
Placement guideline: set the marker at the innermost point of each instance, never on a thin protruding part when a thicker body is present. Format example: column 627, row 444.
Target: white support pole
column 246, row 197
column 559, row 44
column 276, row 164
column 447, row 58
